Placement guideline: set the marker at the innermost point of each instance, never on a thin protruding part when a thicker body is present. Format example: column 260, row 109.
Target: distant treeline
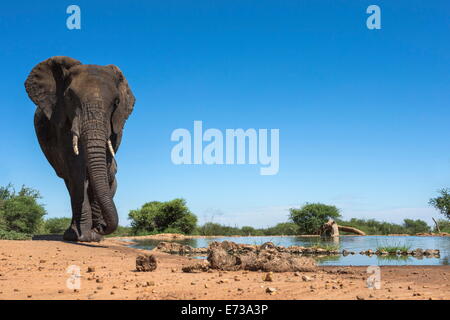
column 21, row 216
column 370, row 227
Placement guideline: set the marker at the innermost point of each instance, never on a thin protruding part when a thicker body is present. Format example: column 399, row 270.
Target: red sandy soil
column 38, row 270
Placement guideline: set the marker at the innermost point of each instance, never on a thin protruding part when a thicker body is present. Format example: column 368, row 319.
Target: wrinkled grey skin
column 92, row 103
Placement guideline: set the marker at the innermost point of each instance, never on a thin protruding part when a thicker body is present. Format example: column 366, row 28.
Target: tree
column 248, row 231
column 158, row 216
column 57, row 225
column 416, row 226
column 312, row 216
column 442, row 203
column 20, row 211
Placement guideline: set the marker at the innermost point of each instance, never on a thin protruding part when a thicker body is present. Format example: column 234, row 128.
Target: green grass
column 393, row 247
column 324, row 245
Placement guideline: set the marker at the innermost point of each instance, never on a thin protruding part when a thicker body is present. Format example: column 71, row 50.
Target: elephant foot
column 86, row 236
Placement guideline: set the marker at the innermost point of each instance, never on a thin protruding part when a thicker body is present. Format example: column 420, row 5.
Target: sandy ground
column 38, row 270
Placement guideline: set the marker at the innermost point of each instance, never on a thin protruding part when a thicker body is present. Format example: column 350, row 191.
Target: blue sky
column 363, row 114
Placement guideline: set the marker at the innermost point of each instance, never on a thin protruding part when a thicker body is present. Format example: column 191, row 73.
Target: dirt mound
column 146, row 263
column 178, row 248
column 174, row 247
column 231, row 256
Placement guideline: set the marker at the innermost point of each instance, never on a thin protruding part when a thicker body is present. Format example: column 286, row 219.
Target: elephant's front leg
column 80, row 228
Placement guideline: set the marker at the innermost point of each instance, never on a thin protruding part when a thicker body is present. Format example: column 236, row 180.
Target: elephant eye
column 117, row 101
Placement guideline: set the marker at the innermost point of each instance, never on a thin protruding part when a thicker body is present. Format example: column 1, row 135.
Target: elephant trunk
column 94, row 138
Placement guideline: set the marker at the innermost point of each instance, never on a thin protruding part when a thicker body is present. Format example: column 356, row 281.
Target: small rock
column 271, row 290
column 148, row 284
column 91, row 269
column 359, row 298
column 306, row 278
column 268, row 277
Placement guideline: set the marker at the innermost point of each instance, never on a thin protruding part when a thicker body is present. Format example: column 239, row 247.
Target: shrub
column 121, row 231
column 444, row 225
column 216, row 229
column 13, row 235
column 20, row 211
column 416, row 226
column 286, row 228
column 312, row 216
column 56, row 225
column 159, row 216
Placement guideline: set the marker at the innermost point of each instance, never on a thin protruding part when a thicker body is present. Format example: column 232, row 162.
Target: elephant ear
column 45, row 84
column 125, row 105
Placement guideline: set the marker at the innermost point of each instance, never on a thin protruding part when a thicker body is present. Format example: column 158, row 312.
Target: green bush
column 248, row 231
column 160, row 216
column 444, row 225
column 216, row 229
column 416, row 226
column 285, row 228
column 312, row 216
column 13, row 235
column 20, row 211
column 121, row 231
column 56, row 225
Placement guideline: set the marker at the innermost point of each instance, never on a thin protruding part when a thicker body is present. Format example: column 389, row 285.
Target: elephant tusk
column 111, row 149
column 75, row 144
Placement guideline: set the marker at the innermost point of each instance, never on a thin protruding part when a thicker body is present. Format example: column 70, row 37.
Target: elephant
column 79, row 119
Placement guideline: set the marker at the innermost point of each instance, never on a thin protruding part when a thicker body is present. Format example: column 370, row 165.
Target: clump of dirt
column 230, row 256
column 196, row 267
column 173, row 247
column 178, row 248
column 145, row 263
